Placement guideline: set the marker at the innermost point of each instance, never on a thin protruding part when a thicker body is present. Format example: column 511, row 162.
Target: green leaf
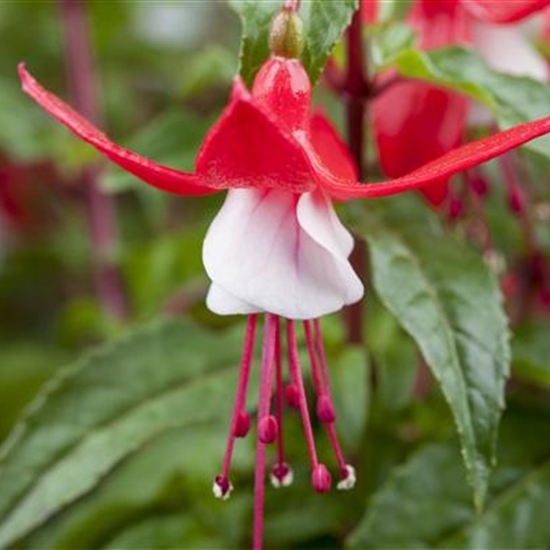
column 350, row 388
column 531, row 353
column 449, row 301
column 395, row 356
column 171, row 473
column 512, row 99
column 388, row 40
column 424, row 504
column 106, row 407
column 324, row 23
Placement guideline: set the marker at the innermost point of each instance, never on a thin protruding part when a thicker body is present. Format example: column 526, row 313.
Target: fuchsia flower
column 277, row 246
column 416, row 112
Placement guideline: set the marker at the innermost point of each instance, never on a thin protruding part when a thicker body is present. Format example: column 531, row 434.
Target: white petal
column 222, row 302
column 317, row 217
column 257, row 251
column 507, row 50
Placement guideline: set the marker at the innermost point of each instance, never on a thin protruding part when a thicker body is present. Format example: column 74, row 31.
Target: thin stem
column 356, row 90
column 266, row 376
column 279, row 395
column 101, row 209
column 240, row 398
column 259, row 495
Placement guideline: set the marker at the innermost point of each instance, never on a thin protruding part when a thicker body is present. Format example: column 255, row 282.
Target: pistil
column 240, row 422
column 264, row 403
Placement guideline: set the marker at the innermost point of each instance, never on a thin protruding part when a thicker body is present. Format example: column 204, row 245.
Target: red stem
column 264, row 403
column 101, row 209
column 356, row 90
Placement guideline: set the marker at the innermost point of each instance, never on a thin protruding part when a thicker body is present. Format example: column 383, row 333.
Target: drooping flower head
column 418, row 112
column 277, row 247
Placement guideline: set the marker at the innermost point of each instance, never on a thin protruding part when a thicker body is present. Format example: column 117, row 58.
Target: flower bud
column 286, row 37
column 320, row 479
column 456, row 207
column 349, row 478
column 222, row 487
column 242, row 424
column 281, row 475
column 292, row 396
column 325, row 410
column 515, row 201
column 480, row 186
column 268, row 429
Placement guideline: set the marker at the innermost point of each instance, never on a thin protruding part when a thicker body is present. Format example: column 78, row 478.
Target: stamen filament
column 322, row 355
column 240, row 398
column 296, row 376
column 317, row 380
column 281, row 474
column 264, row 399
column 325, row 412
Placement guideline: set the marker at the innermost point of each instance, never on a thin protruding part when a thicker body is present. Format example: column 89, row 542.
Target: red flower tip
column 292, row 396
column 268, row 429
column 242, row 424
column 456, row 207
column 480, row 186
column 515, row 201
column 320, row 479
column 325, row 410
column 222, row 487
column 281, row 475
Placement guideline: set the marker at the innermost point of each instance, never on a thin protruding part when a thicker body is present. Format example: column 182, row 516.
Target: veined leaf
column 448, row 300
column 424, row 504
column 105, row 407
column 324, row 23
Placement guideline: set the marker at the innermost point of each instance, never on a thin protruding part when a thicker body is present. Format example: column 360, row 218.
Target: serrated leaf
column 324, row 22
column 424, row 504
column 449, row 301
column 171, row 473
column 106, row 407
column 512, row 99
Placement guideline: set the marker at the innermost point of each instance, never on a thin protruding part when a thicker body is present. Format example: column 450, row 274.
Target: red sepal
column 455, row 161
column 248, row 147
column 157, row 175
column 503, row 11
column 415, row 123
column 330, row 148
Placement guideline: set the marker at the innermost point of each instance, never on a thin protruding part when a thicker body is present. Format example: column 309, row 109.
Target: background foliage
column 119, row 448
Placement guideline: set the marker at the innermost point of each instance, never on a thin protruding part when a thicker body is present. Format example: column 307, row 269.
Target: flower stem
column 101, row 209
column 356, row 90
column 264, row 403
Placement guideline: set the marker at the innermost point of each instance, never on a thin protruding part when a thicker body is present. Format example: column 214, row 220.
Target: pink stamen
column 322, row 355
column 295, row 372
column 320, row 479
column 292, row 396
column 325, row 408
column 268, row 429
column 317, row 381
column 281, row 474
column 266, row 377
column 240, row 416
